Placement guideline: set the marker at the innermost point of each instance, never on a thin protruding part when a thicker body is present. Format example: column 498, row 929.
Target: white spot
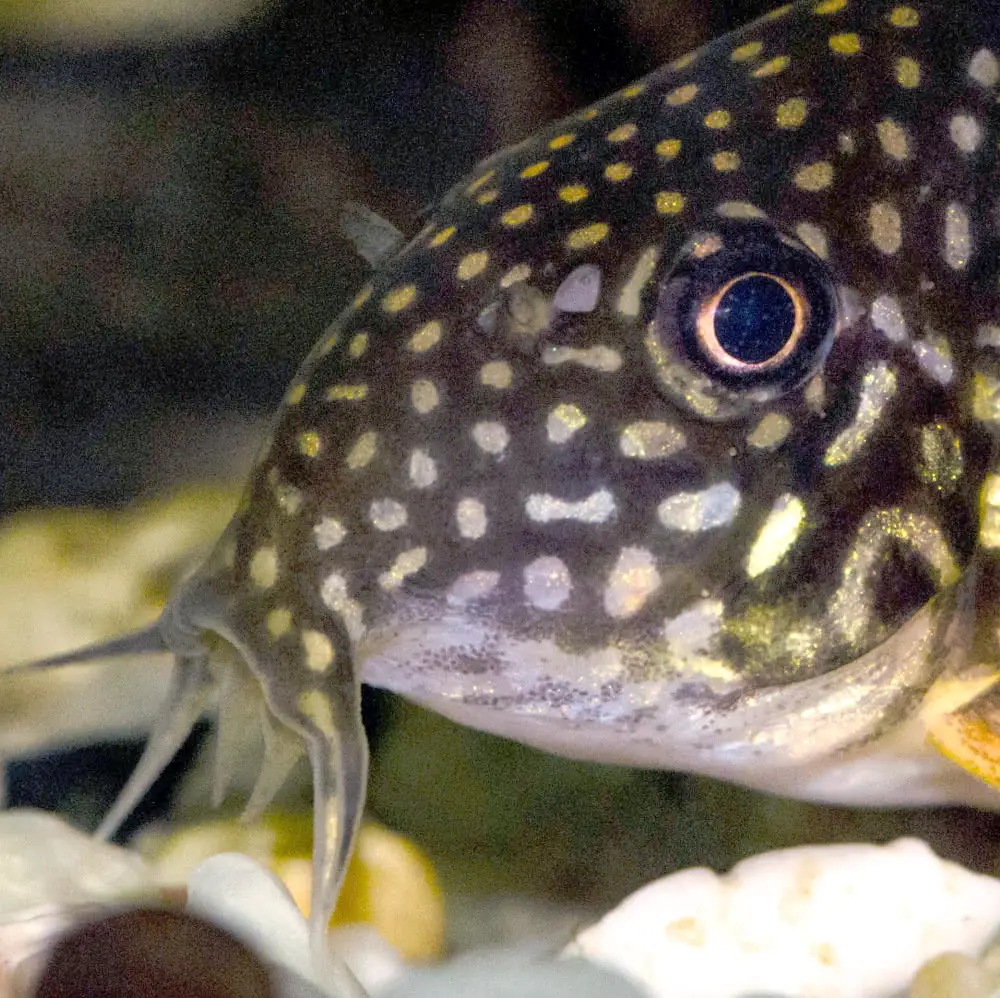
column 650, row 440
column 318, row 651
column 563, row 421
column 691, row 512
column 333, row 593
column 878, row 387
column 984, row 68
column 496, row 374
column 264, row 568
column 580, row 291
column 934, row 357
column 632, row 581
column 887, row 318
column 598, row 507
column 957, row 237
column 598, row 358
column 966, row 132
column 328, row 533
column 988, row 335
column 739, row 209
column 547, row 583
column 387, row 515
column 628, row 300
column 424, row 396
column 470, row 515
column 472, row 586
column 780, row 531
column 491, row 437
column 693, row 637
column 423, row 469
column 407, row 563
column 814, row 238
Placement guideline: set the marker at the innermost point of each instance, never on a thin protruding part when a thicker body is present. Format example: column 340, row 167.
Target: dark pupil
column 754, row 319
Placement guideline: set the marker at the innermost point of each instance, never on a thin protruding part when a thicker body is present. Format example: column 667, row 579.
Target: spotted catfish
column 670, row 441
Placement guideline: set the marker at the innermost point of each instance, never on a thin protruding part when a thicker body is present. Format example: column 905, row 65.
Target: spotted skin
column 502, row 486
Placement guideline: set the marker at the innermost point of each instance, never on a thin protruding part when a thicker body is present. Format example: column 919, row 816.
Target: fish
column 669, row 441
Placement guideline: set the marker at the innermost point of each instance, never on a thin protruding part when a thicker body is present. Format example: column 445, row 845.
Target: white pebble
column 845, row 921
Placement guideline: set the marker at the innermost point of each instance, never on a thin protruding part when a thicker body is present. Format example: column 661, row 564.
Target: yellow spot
column 718, row 119
column 264, row 568
column 362, row 296
column 616, row 172
column 279, row 623
column 480, row 181
column 407, row 563
column 634, row 90
column 829, row 6
column 347, row 393
column 588, row 235
column 985, row 397
column 328, row 344
column 314, row 707
column 535, row 170
column 814, row 177
column 295, row 394
column 791, row 113
column 778, row 12
column 361, row 454
column 573, row 193
column 590, row 113
column 886, row 227
column 669, row 202
column 681, row 95
column 668, row 148
column 516, row 274
column 318, row 651
column 772, row 67
column 427, row 336
column 563, row 421
column 358, row 345
column 907, row 72
column 779, row 532
column 517, row 216
column 743, row 53
column 472, row 265
column 496, row 374
column 309, row 443
column 892, row 137
column 399, row 298
column 623, row 132
column 847, row 43
column 488, row 197
column 989, row 519
column 442, row 236
column 684, row 61
column 725, row 162
column 561, row 141
column 904, row 17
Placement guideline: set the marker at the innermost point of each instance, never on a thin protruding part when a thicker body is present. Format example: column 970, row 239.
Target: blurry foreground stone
column 390, row 887
column 69, row 578
column 102, row 22
column 152, row 954
column 817, row 921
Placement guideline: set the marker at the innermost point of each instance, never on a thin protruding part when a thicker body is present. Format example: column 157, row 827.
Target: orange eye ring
column 708, row 338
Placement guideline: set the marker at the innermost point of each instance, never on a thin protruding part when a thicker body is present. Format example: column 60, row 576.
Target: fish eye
column 743, row 315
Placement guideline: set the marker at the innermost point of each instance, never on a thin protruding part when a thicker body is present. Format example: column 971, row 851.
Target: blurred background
column 170, row 178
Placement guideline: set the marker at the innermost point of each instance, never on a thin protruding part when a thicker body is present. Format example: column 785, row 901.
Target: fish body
column 670, row 441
